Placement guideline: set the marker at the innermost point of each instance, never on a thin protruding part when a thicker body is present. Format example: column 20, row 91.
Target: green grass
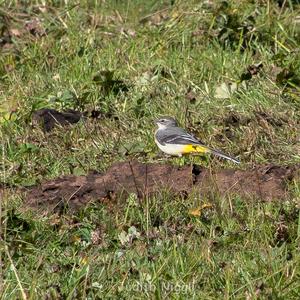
column 239, row 249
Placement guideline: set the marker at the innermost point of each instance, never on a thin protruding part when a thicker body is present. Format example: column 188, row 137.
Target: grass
column 106, row 56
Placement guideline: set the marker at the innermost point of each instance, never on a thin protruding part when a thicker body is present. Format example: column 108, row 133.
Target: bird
column 176, row 141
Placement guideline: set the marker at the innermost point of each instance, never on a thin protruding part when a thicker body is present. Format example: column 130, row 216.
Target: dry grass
column 165, row 59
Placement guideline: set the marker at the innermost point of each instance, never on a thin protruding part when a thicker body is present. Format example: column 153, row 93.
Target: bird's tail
column 223, row 155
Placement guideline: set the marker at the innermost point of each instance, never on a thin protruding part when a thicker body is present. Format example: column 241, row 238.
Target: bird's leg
column 181, row 160
column 191, row 168
column 162, row 155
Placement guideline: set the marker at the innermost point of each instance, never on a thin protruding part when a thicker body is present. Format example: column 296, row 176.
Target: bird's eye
column 162, row 120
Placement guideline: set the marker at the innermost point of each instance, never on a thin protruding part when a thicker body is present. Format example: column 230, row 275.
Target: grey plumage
column 169, row 133
column 175, row 135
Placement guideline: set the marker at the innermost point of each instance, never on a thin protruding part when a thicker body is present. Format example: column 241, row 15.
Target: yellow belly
column 179, row 150
column 195, row 149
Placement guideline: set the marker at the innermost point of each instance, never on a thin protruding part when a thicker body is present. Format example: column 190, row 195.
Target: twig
column 153, row 14
column 1, row 231
column 135, row 183
column 24, row 297
column 146, row 182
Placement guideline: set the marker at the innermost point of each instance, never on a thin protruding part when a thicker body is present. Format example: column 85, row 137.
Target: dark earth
column 264, row 182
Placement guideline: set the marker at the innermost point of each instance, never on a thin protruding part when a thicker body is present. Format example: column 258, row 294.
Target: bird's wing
column 179, row 137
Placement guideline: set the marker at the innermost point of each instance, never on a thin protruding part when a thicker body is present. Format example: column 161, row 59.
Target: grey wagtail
column 174, row 140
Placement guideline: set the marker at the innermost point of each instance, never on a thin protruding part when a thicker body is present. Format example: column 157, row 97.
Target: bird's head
column 164, row 122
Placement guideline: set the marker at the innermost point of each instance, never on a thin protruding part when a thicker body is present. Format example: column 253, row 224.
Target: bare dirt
column 265, row 182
